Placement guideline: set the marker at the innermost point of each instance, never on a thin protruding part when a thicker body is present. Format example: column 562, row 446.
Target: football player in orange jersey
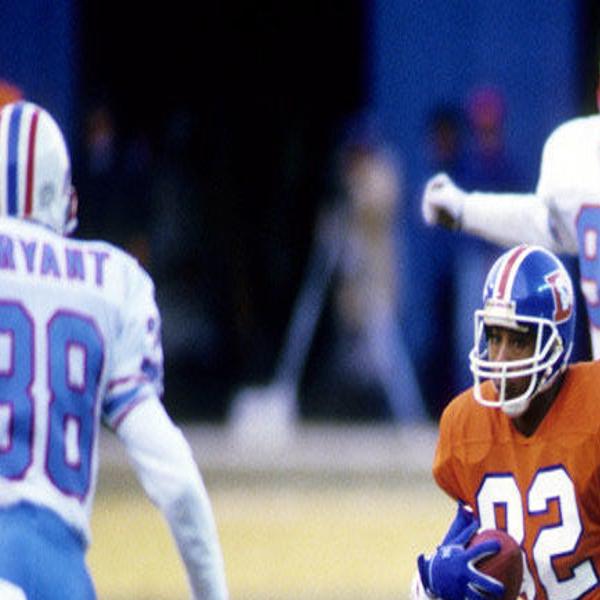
column 520, row 450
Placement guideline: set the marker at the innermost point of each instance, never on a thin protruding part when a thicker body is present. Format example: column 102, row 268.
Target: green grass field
column 281, row 541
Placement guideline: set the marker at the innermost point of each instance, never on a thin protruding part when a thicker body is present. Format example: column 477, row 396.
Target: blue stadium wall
column 38, row 53
column 432, row 51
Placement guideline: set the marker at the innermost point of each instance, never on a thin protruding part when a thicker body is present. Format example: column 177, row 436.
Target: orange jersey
column 543, row 489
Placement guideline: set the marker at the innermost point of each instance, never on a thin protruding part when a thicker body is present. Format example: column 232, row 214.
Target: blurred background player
column 563, row 214
column 366, row 370
column 518, row 447
column 352, row 289
column 79, row 345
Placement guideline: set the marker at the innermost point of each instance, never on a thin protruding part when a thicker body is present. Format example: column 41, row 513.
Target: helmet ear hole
column 528, row 288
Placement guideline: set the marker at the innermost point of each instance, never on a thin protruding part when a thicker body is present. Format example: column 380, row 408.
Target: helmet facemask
column 540, row 367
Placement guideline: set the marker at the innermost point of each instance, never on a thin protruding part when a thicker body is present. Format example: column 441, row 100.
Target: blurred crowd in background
column 381, row 346
column 279, row 212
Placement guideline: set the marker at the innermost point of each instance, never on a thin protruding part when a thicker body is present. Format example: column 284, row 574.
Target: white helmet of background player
column 35, row 168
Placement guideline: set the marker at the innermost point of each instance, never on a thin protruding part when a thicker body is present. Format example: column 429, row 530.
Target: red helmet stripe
column 508, row 270
column 31, row 163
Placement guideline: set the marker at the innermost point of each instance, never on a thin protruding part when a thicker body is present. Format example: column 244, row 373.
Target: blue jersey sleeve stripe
column 118, row 403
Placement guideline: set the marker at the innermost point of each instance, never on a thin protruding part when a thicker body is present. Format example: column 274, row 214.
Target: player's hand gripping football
column 450, row 573
column 442, row 202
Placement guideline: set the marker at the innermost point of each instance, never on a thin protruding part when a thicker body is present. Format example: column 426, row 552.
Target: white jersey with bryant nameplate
column 563, row 214
column 79, row 344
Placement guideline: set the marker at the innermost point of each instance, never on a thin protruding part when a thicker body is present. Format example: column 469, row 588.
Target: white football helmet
column 35, row 168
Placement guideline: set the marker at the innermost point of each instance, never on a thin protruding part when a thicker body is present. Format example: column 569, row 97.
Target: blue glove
column 450, row 573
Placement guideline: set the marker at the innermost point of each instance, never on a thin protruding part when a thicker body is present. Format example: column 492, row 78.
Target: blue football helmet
column 528, row 288
column 35, row 168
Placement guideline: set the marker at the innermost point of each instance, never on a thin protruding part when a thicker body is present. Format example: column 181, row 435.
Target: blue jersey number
column 588, row 234
column 74, row 363
column 16, row 401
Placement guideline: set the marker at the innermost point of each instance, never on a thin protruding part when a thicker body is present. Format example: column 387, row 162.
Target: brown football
column 506, row 565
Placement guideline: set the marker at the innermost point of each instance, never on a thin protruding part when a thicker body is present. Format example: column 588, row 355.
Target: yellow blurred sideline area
column 330, row 513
